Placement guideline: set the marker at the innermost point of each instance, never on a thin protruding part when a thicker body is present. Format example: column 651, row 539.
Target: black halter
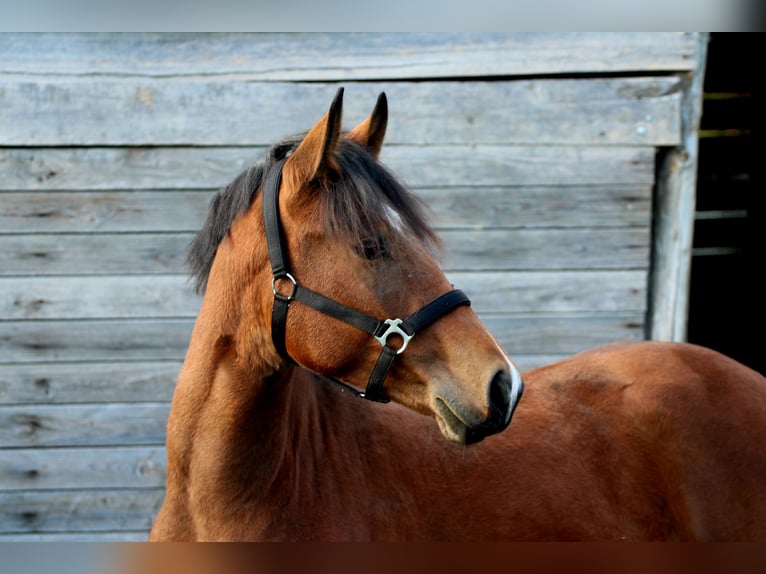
column 381, row 330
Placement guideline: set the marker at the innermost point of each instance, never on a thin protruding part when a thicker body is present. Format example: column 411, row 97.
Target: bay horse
column 321, row 288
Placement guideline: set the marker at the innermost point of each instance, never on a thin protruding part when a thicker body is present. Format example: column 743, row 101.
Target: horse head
column 351, row 257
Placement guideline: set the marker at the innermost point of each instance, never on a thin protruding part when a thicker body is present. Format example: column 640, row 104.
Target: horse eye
column 374, row 248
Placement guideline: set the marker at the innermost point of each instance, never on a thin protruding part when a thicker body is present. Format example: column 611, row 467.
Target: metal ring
column 395, row 329
column 292, row 280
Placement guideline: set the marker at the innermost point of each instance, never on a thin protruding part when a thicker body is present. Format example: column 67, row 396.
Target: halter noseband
column 381, row 330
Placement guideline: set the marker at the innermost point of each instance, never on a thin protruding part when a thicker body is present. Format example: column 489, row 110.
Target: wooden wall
column 536, row 153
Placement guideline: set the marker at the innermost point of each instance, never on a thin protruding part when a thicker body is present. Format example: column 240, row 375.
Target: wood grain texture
column 553, row 206
column 163, row 254
column 345, row 56
column 141, row 168
column 83, row 425
column 92, row 382
column 552, row 249
column 93, row 254
column 462, row 207
column 104, row 297
column 555, row 292
column 99, row 212
column 79, row 510
column 78, row 468
column 69, row 537
column 675, row 215
column 96, row 340
column 168, row 296
column 563, row 334
column 126, row 112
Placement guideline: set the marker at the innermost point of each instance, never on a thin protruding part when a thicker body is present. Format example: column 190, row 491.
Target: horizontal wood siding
column 113, row 380
column 341, row 57
column 79, row 510
column 438, row 165
column 466, row 208
column 77, row 468
column 573, row 248
column 79, row 111
column 168, row 296
column 535, row 154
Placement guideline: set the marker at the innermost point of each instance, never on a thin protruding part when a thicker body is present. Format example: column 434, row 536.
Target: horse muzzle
column 503, row 396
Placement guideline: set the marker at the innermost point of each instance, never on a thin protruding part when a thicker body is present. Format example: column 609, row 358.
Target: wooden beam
column 674, row 216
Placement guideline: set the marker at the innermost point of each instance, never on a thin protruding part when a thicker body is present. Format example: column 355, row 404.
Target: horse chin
column 452, row 433
column 452, row 427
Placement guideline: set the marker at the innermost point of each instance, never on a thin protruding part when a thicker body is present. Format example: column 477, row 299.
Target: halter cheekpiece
column 381, row 330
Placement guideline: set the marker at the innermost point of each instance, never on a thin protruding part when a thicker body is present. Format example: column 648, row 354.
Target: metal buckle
column 292, row 291
column 394, row 329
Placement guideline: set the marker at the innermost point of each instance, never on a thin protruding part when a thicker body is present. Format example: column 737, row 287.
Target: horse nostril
column 499, row 397
column 500, row 409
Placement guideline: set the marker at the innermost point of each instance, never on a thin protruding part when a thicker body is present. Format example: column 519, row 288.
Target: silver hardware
column 292, row 291
column 394, row 329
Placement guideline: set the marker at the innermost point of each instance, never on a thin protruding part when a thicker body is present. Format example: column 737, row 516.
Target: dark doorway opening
column 726, row 299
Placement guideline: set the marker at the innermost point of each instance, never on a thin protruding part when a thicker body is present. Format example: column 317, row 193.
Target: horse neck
column 237, row 408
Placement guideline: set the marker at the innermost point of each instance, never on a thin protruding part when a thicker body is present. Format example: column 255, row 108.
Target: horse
column 337, row 387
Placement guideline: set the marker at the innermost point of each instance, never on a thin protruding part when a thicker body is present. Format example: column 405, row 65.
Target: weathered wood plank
column 526, row 207
column 511, row 249
column 113, row 211
column 126, row 340
column 527, row 362
column 81, row 468
column 79, row 169
column 563, row 334
column 345, row 56
column 105, row 254
column 106, row 297
column 453, row 207
column 161, row 296
column 48, row 111
column 626, row 248
column 559, row 292
column 122, row 168
column 83, row 425
column 69, row 537
column 56, row 383
column 167, row 339
column 61, row 468
column 79, row 510
column 675, row 212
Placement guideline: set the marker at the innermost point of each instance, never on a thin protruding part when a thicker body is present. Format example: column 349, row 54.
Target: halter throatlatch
column 381, row 330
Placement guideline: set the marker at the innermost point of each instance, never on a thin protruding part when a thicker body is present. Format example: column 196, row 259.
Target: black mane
column 360, row 201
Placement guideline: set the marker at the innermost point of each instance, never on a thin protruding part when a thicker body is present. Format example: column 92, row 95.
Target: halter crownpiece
column 381, row 330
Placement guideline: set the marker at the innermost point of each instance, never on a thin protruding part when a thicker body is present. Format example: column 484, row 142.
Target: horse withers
column 321, row 288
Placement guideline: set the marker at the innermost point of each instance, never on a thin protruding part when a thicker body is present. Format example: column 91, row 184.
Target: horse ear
column 314, row 154
column 370, row 132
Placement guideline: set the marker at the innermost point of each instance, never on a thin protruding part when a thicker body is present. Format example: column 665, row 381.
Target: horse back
column 672, row 436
